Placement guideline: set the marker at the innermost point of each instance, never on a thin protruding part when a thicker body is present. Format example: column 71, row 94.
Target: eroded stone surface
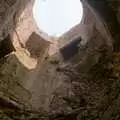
column 86, row 87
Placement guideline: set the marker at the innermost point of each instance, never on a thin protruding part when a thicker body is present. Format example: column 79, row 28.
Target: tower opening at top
column 55, row 17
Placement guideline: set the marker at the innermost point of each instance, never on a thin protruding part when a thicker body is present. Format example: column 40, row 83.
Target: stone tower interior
column 72, row 77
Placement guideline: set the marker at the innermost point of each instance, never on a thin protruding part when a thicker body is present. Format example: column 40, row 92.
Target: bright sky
column 56, row 17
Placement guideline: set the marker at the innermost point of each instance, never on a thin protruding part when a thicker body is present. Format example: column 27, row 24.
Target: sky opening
column 55, row 17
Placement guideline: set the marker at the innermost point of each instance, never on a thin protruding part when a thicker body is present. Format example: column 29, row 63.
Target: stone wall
column 9, row 11
column 84, row 87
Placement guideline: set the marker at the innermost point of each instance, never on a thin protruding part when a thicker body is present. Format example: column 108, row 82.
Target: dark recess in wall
column 6, row 47
column 70, row 49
